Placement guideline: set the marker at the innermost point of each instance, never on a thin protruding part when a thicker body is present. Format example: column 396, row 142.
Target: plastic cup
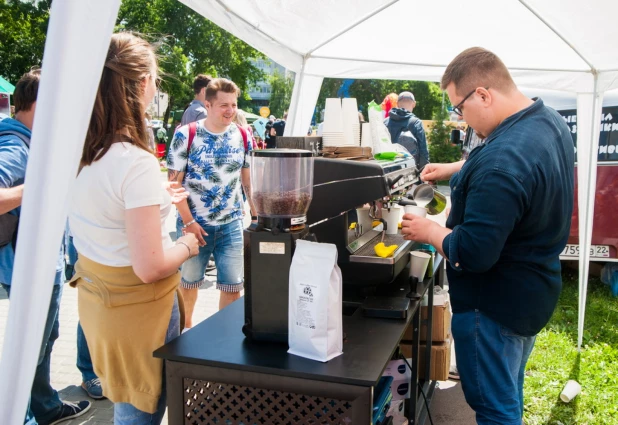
column 571, row 389
column 418, row 264
column 416, row 210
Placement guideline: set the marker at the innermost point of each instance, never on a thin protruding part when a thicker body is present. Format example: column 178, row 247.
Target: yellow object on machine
column 385, row 251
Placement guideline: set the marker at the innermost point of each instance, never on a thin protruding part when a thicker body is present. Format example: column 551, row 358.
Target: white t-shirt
column 126, row 177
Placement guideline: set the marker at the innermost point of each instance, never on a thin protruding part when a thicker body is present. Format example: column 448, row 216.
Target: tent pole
column 293, row 112
column 75, row 27
column 438, row 65
column 586, row 214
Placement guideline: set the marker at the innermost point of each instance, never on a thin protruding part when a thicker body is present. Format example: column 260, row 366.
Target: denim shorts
column 224, row 242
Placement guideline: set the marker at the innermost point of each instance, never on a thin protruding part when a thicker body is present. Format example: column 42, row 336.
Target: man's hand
column 198, row 231
column 435, row 172
column 417, row 228
column 423, row 230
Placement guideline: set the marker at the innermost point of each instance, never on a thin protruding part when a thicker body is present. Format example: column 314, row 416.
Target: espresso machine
column 298, row 196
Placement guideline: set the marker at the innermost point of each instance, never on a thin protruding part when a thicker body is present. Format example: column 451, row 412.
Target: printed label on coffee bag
column 306, row 306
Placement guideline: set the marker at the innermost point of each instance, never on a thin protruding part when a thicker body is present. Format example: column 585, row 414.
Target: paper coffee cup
column 571, row 389
column 392, row 219
column 416, row 210
column 363, row 219
column 418, row 264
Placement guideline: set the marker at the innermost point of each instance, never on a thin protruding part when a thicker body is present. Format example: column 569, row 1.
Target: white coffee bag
column 315, row 324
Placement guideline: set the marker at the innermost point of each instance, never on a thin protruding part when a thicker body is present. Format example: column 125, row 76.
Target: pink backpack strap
column 243, row 132
column 192, row 131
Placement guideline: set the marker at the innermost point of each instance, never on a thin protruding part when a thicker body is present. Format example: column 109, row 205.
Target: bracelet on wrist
column 187, row 246
column 184, row 226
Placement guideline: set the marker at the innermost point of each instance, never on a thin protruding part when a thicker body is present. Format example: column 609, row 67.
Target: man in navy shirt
column 510, row 217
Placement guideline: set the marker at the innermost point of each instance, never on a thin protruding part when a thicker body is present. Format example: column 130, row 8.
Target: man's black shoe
column 69, row 411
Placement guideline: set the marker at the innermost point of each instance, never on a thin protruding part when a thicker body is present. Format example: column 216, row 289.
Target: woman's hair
column 240, row 119
column 118, row 104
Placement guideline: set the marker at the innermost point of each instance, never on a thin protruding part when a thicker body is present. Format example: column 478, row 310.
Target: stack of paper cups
column 351, row 124
column 332, row 133
column 366, row 141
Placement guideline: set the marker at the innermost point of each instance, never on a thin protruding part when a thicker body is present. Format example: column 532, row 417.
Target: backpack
column 406, row 139
column 9, row 222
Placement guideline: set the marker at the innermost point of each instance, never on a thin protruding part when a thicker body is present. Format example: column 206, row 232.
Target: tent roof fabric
column 539, row 40
column 6, row 87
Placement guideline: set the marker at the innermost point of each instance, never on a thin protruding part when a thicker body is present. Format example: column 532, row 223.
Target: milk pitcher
column 431, row 199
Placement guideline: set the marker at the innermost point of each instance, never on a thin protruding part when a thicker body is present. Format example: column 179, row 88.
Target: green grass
column 555, row 360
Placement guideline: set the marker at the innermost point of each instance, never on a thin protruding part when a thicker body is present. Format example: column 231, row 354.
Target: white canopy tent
column 553, row 44
column 547, row 44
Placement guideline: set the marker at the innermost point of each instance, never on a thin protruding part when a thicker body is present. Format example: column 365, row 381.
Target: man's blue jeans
column 44, row 400
column 491, row 361
column 84, row 362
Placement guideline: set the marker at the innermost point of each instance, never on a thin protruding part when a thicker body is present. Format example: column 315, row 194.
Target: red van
column 604, row 226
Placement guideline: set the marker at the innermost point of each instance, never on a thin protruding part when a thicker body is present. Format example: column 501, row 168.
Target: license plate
column 598, row 251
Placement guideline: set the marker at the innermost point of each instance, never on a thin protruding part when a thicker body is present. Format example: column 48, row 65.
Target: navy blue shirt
column 510, row 215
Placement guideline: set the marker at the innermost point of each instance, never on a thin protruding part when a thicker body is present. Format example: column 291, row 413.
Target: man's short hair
column 26, row 90
column 477, row 67
column 405, row 95
column 200, row 82
column 221, row 84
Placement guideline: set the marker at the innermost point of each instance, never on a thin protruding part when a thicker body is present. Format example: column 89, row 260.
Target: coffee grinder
column 281, row 191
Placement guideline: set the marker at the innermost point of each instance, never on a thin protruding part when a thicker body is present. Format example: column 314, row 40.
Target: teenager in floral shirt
column 212, row 171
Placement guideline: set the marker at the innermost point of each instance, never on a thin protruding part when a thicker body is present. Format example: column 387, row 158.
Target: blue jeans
column 84, row 362
column 225, row 244
column 44, row 401
column 127, row 414
column 491, row 361
column 70, row 250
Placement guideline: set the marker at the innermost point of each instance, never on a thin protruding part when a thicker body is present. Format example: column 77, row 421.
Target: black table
column 214, row 374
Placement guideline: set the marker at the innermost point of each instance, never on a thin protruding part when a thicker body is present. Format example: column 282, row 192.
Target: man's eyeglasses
column 457, row 108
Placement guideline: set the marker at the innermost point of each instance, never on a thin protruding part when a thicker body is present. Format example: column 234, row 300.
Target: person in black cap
column 407, row 129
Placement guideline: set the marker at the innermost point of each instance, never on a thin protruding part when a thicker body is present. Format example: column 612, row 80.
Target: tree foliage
column 190, row 44
column 428, row 95
column 23, row 26
column 440, row 148
column 281, row 94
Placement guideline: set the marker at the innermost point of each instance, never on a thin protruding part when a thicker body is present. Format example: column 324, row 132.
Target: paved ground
column 448, row 407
